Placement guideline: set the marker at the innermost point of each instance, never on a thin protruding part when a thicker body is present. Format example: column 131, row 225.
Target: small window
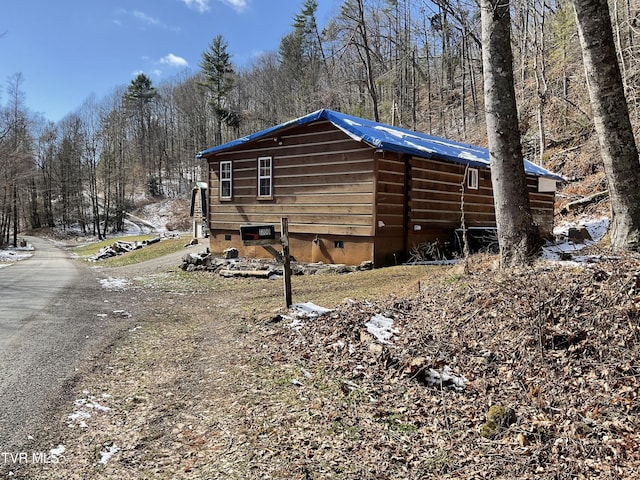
column 265, row 177
column 338, row 243
column 472, row 178
column 226, row 180
column 546, row 185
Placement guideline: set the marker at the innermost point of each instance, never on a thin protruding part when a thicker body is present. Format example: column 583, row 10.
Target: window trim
column 263, row 177
column 473, row 179
column 228, row 180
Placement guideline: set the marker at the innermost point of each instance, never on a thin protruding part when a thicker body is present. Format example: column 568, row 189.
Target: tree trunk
column 371, row 84
column 518, row 236
column 611, row 118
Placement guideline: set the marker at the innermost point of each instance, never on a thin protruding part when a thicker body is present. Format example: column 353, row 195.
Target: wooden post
column 286, row 260
column 264, row 235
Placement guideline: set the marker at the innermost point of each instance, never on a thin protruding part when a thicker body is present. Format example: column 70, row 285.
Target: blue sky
column 67, row 50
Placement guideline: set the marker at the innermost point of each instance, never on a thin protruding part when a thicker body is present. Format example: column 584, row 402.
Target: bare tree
column 89, row 116
column 353, row 12
column 18, row 157
column 611, row 118
column 518, row 236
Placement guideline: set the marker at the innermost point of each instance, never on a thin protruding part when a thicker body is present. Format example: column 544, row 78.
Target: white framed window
column 472, row 179
column 265, row 177
column 226, row 180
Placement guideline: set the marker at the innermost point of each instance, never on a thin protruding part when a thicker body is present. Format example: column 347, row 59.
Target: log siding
column 346, row 201
column 321, row 186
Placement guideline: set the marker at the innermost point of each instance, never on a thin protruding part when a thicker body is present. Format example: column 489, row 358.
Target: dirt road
column 54, row 316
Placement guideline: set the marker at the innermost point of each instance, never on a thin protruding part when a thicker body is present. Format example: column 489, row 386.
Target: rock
column 366, row 265
column 578, row 235
column 343, row 269
column 565, row 256
column 498, row 419
column 230, row 253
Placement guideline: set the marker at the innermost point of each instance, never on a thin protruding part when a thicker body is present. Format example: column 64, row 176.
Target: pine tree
column 219, row 80
column 137, row 100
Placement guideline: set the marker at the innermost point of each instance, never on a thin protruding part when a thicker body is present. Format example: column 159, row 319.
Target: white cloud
column 145, row 18
column 238, row 5
column 199, row 5
column 205, row 5
column 174, row 61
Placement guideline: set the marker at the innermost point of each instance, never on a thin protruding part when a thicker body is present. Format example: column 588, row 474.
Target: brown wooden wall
column 347, row 202
column 436, row 196
column 391, row 208
column 323, row 182
column 435, row 203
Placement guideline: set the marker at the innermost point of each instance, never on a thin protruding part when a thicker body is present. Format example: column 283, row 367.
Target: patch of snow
column 114, row 283
column 309, row 309
column 381, row 327
column 394, row 132
column 79, row 416
column 445, row 379
column 420, row 147
column 97, row 406
column 15, row 254
column 58, row 451
column 597, row 228
column 348, row 121
column 469, row 155
column 92, row 404
column 105, row 456
column 303, row 311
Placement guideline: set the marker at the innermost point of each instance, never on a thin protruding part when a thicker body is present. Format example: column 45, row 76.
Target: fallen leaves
column 556, row 346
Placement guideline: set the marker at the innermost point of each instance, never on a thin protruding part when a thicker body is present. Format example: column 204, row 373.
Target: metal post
column 286, row 260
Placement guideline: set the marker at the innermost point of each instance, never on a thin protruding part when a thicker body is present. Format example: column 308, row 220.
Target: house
column 355, row 190
column 198, row 210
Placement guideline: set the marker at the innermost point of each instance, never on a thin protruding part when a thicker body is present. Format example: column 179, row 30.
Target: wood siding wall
column 322, row 181
column 435, row 203
column 436, row 196
column 337, row 191
column 391, row 208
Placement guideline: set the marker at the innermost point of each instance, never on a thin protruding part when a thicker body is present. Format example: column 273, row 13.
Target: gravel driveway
column 57, row 319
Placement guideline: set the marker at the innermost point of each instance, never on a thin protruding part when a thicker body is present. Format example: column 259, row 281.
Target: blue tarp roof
column 389, row 138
